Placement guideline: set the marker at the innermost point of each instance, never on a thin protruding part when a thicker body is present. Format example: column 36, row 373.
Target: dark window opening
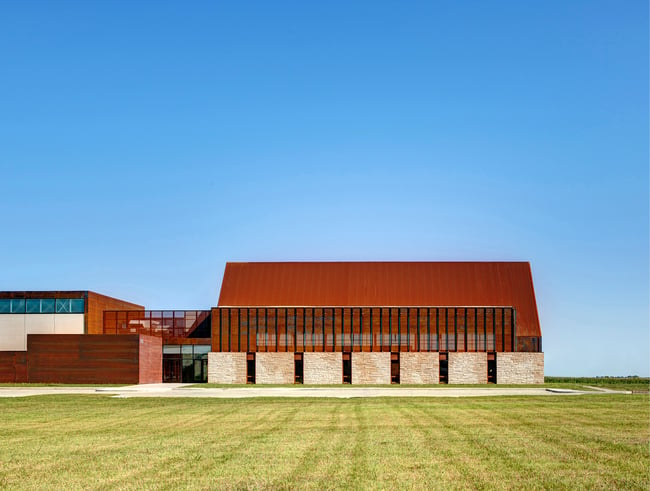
column 394, row 368
column 492, row 368
column 444, row 366
column 250, row 368
column 347, row 368
column 298, row 368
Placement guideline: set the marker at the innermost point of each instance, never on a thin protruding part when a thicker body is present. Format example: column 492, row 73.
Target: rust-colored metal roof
column 384, row 284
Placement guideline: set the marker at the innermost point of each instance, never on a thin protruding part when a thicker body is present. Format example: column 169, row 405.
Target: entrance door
column 171, row 370
column 200, row 371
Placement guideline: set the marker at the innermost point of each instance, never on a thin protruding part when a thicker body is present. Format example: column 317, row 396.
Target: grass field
column 86, row 442
column 576, row 383
column 641, row 384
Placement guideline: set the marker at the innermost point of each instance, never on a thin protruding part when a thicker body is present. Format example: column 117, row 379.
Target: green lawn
column 565, row 442
column 641, row 384
column 575, row 383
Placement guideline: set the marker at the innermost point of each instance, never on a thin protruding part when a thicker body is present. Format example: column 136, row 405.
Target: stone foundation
column 274, row 368
column 468, row 368
column 371, row 368
column 419, row 368
column 520, row 368
column 323, row 368
column 374, row 368
column 227, row 368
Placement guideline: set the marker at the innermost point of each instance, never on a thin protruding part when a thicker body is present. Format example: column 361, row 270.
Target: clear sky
column 144, row 144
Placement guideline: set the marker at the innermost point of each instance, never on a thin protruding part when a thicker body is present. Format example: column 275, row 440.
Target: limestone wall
column 419, row 368
column 322, row 368
column 274, row 368
column 467, row 368
column 371, row 368
column 520, row 368
column 227, row 368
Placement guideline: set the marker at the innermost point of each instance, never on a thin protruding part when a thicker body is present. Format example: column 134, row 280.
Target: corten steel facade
column 327, row 329
column 369, row 307
column 291, row 322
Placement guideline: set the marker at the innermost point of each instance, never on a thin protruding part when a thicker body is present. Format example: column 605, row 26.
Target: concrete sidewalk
column 186, row 390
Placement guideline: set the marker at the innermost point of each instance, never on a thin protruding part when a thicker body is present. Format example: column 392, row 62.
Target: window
column 17, row 305
column 5, row 306
column 39, row 306
column 171, row 349
column 69, row 306
column 77, row 305
column 33, row 306
column 63, row 306
column 42, row 306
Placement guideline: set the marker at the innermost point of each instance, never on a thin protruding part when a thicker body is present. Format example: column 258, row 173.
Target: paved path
column 608, row 391
column 186, row 390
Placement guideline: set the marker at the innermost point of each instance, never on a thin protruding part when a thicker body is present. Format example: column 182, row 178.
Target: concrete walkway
column 186, row 390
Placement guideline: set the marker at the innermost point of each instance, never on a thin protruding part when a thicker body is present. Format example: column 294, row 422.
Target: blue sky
column 144, row 144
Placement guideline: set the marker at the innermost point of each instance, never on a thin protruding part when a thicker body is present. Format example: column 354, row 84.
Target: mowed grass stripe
column 482, row 448
column 96, row 442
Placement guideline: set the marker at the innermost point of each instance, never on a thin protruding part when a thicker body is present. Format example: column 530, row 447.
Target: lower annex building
column 291, row 322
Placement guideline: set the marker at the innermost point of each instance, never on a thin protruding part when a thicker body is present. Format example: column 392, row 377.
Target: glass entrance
column 187, row 363
column 171, row 370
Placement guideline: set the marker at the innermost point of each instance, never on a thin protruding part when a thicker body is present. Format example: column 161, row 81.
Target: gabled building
column 376, row 323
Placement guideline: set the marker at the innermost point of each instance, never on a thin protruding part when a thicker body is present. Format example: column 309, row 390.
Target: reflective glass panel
column 171, row 349
column 77, row 305
column 17, row 305
column 201, row 349
column 33, row 306
column 47, row 306
column 63, row 306
column 5, row 305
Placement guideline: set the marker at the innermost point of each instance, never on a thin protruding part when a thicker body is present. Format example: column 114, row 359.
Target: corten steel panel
column 13, row 367
column 384, row 284
column 83, row 358
column 96, row 304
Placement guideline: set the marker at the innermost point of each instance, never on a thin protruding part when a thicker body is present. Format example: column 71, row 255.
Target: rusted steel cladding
column 95, row 359
column 98, row 304
column 371, row 284
column 367, row 329
column 13, row 367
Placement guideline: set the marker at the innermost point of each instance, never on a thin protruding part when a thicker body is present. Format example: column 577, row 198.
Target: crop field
column 97, row 442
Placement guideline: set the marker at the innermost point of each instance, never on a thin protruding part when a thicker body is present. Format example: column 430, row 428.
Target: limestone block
column 520, row 368
column 227, row 368
column 467, row 368
column 371, row 368
column 274, row 368
column 419, row 368
column 323, row 368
